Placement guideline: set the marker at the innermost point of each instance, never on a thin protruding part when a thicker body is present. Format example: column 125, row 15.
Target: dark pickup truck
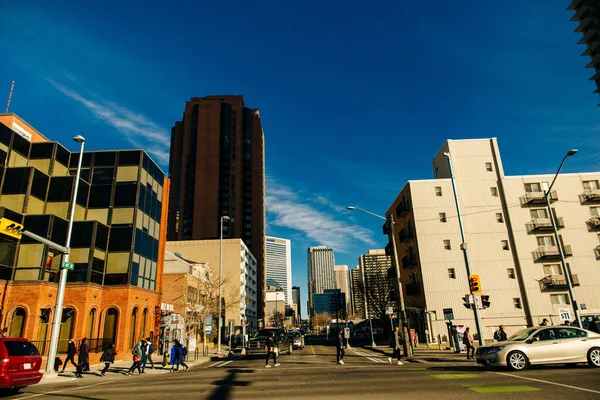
column 256, row 345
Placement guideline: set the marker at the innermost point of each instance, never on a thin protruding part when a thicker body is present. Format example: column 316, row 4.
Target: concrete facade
column 240, row 288
column 509, row 237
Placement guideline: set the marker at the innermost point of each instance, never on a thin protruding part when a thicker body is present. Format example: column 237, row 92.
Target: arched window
column 66, row 326
column 17, row 322
column 90, row 325
column 144, row 318
column 109, row 332
column 133, row 326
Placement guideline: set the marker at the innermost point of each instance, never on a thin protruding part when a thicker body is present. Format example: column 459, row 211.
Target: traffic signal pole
column 465, row 250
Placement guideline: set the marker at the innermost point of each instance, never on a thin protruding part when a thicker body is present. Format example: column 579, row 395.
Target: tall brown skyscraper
column 217, row 167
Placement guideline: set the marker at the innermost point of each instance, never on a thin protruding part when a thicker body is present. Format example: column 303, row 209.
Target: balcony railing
column 406, row 234
column 409, row 260
column 594, row 222
column 544, row 224
column 557, row 281
column 537, row 198
column 589, row 196
column 412, row 289
column 550, row 252
column 402, row 208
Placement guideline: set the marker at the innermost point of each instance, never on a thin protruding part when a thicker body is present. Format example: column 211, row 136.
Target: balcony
column 590, row 196
column 531, row 198
column 402, row 208
column 550, row 252
column 594, row 222
column 413, row 289
column 406, row 234
column 557, row 282
column 409, row 260
column 597, row 251
column 543, row 224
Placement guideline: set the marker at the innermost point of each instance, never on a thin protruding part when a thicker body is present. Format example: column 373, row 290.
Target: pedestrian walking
column 71, row 351
column 468, row 341
column 108, row 357
column 398, row 340
column 339, row 347
column 544, row 322
column 271, row 350
column 177, row 354
column 500, row 335
column 184, row 353
column 83, row 359
column 149, row 350
column 137, row 358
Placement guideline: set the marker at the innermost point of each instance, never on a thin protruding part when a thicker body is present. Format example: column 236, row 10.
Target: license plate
column 27, row 366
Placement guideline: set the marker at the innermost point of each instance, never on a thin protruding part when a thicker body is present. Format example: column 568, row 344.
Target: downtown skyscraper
column 279, row 265
column 217, row 166
column 320, row 273
column 587, row 13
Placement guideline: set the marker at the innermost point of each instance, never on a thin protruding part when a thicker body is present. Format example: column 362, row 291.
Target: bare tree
column 277, row 318
column 378, row 292
column 321, row 320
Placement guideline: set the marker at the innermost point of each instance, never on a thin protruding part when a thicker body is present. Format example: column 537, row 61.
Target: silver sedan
column 543, row 345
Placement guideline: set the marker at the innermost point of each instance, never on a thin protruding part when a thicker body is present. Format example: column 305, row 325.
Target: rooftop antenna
column 10, row 96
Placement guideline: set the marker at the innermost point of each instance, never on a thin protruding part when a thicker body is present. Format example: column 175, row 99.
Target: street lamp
column 559, row 244
column 62, row 282
column 464, row 248
column 223, row 218
column 401, row 311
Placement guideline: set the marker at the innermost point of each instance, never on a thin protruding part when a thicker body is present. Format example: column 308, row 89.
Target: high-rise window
column 552, row 269
column 438, row 190
column 545, row 240
column 505, row 245
column 499, row 217
column 587, row 185
column 539, row 213
column 443, row 217
column 488, row 166
column 517, row 302
column 511, row 273
column 494, row 191
column 447, row 245
column 451, row 273
column 560, row 299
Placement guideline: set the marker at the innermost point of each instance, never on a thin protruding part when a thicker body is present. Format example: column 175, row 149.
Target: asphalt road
column 313, row 374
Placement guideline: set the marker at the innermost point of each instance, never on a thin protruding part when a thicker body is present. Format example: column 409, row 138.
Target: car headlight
column 498, row 348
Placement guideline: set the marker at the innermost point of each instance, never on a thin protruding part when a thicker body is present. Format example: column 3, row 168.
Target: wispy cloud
column 137, row 128
column 288, row 209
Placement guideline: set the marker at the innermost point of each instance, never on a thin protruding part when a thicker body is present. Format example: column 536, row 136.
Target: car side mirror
column 534, row 339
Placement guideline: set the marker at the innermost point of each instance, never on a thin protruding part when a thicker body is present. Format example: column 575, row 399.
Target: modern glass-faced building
column 117, row 243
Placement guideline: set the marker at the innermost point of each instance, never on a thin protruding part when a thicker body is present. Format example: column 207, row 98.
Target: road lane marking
column 547, row 382
column 454, row 376
column 313, row 350
column 503, row 389
column 230, row 361
column 66, row 390
column 375, row 360
column 215, row 364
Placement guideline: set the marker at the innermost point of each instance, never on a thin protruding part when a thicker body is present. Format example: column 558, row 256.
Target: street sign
column 347, row 333
column 564, row 314
column 389, row 311
column 448, row 314
column 208, row 324
column 67, row 265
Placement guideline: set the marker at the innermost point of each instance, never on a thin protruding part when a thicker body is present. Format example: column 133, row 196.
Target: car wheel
column 593, row 357
column 15, row 389
column 517, row 361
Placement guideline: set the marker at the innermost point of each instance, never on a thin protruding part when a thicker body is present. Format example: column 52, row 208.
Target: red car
column 20, row 363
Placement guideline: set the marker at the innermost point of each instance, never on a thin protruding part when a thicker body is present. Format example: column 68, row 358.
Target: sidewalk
column 117, row 370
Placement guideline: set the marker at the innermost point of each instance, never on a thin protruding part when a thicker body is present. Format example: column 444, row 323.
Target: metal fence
column 97, row 345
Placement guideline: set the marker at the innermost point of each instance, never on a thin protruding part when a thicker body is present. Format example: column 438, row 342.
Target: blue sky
column 355, row 97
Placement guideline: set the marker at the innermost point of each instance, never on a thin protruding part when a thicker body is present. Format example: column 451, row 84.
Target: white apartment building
column 509, row 237
column 279, row 265
column 239, row 275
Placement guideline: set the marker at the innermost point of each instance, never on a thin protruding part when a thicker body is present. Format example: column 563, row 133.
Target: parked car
column 297, row 340
column 543, row 345
column 20, row 363
column 256, row 345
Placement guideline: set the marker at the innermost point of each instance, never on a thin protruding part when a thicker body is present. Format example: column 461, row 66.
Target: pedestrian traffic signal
column 475, row 284
column 45, row 315
column 49, row 258
column 11, row 228
column 468, row 301
column 485, row 301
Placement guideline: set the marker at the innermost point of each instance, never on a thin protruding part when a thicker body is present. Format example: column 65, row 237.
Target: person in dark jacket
column 83, row 359
column 339, row 347
column 398, row 340
column 500, row 335
column 71, row 351
column 594, row 325
column 271, row 350
column 108, row 357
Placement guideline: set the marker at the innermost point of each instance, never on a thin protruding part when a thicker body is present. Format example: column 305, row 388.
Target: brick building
column 117, row 246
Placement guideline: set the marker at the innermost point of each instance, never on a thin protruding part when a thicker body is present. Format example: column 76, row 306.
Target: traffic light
column 45, row 315
column 49, row 258
column 485, row 301
column 468, row 302
column 10, row 228
column 475, row 284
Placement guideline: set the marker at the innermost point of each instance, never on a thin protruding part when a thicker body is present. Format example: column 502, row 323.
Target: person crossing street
column 271, row 350
column 339, row 347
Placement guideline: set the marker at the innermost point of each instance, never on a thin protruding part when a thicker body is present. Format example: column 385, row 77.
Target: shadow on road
column 223, row 391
